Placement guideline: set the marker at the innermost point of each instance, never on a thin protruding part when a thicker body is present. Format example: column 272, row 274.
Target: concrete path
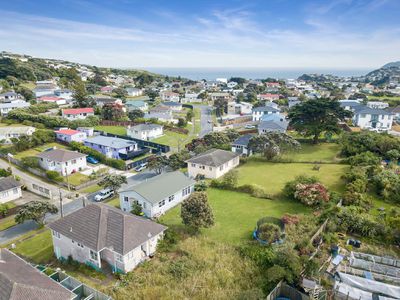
column 205, row 119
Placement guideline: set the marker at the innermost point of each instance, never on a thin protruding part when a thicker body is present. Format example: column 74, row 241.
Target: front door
column 58, row 252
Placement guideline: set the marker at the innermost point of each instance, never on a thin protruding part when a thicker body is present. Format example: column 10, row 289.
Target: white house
column 10, row 189
column 10, row 97
column 8, row 132
column 64, row 93
column 272, row 123
column 258, row 112
column 213, row 163
column 70, row 135
column 52, row 99
column 242, row 108
column 77, row 113
column 190, row 97
column 5, row 108
column 169, row 96
column 134, row 92
column 377, row 104
column 158, row 194
column 136, row 104
column 99, row 235
column 63, row 161
column 373, row 119
column 174, row 106
column 241, row 145
column 145, row 131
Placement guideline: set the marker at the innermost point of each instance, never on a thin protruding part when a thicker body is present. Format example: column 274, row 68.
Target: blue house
column 112, row 147
column 136, row 104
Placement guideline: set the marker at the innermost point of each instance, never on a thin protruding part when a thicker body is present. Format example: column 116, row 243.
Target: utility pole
column 61, row 204
column 84, row 201
column 66, row 176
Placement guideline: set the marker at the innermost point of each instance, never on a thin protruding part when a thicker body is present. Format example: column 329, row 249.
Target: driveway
column 205, row 119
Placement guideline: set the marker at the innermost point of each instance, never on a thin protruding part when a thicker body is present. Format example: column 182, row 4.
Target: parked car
column 92, row 160
column 104, row 194
column 141, row 167
column 249, row 126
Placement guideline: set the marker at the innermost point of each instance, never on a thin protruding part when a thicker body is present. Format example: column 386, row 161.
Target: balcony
column 133, row 154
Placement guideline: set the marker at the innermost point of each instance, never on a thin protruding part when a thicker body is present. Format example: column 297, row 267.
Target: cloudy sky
column 206, row 33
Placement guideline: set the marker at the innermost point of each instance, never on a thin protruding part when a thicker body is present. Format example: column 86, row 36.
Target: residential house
column 9, row 132
column 241, row 145
column 268, row 97
column 231, row 84
column 88, row 130
column 70, row 135
column 272, row 123
column 174, row 106
column 220, row 96
column 10, row 190
column 396, row 113
column 377, row 104
column 158, row 194
column 273, row 86
column 213, row 163
column 44, row 88
column 293, row 101
column 373, row 119
column 106, row 89
column 10, row 97
column 52, row 99
column 136, row 104
column 163, row 117
column 77, row 113
column 20, row 280
column 169, row 96
column 145, row 131
column 66, row 94
column 5, row 108
column 63, row 161
column 112, row 147
column 99, row 235
column 134, row 92
column 102, row 100
column 349, row 104
column 161, row 109
column 190, row 98
column 242, row 108
column 258, row 112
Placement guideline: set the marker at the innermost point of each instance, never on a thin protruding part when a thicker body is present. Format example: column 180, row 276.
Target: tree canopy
column 36, row 211
column 196, row 212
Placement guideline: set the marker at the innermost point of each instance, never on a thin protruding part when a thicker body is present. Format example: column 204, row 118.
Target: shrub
column 364, row 159
column 5, row 172
column 254, row 190
column 200, row 186
column 289, row 219
column 290, row 187
column 269, row 232
column 4, row 209
column 54, row 175
column 311, row 194
column 30, row 162
column 230, row 179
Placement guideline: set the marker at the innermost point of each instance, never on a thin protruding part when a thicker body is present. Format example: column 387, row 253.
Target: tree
column 311, row 194
column 315, row 116
column 135, row 114
column 177, row 160
column 80, row 95
column 189, row 115
column 36, row 211
column 137, row 209
column 157, row 163
column 120, row 93
column 5, row 172
column 230, row 179
column 30, row 161
column 196, row 212
column 54, row 175
column 182, row 122
column 112, row 111
column 113, row 181
column 221, row 106
column 272, row 144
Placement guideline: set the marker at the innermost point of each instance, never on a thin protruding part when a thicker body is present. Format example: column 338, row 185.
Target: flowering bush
column 311, row 194
column 289, row 219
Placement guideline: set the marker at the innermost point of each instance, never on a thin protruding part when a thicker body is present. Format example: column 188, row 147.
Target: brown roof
column 60, row 155
column 19, row 280
column 99, row 226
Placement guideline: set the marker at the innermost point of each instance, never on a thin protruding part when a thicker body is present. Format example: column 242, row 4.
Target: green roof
column 160, row 187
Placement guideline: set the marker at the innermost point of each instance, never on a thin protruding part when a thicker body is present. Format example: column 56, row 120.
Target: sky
column 208, row 33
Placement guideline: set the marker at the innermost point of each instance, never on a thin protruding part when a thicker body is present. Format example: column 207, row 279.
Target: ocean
column 252, row 73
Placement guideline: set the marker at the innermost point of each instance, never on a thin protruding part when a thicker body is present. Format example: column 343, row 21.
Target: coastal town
column 122, row 184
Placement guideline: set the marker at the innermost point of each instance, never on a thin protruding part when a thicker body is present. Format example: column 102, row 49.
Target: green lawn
column 173, row 139
column 7, row 223
column 77, row 178
column 324, row 152
column 273, row 176
column 120, row 130
column 113, row 201
column 38, row 248
column 91, row 189
column 35, row 151
column 236, row 214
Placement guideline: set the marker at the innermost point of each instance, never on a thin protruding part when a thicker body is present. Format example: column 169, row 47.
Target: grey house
column 100, row 235
column 241, row 145
column 158, row 194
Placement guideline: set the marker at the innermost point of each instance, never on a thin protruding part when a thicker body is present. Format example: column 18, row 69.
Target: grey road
column 68, row 207
column 205, row 119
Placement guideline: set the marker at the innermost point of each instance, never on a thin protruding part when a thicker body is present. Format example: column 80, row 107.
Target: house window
column 162, row 203
column 171, row 198
column 186, row 191
column 221, row 167
column 126, row 199
column 74, row 161
column 210, row 168
column 80, row 245
column 119, row 257
column 93, row 255
column 193, row 165
column 144, row 205
column 56, row 234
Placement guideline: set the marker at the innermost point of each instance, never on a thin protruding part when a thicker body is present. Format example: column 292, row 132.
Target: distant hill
column 392, row 64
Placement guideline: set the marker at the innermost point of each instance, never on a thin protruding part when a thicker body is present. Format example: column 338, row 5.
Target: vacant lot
column 236, row 214
column 120, row 130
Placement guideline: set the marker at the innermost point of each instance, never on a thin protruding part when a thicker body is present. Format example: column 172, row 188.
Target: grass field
column 324, row 152
column 77, row 178
column 273, row 176
column 91, row 189
column 7, row 223
column 35, row 151
column 120, row 130
column 173, row 139
column 236, row 214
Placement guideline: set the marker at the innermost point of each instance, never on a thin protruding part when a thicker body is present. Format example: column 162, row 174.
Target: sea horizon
column 254, row 73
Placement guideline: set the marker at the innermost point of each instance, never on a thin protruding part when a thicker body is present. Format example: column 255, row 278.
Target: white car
column 249, row 126
column 104, row 194
column 141, row 167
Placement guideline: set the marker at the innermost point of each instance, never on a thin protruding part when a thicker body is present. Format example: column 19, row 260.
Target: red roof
column 77, row 111
column 49, row 98
column 67, row 131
